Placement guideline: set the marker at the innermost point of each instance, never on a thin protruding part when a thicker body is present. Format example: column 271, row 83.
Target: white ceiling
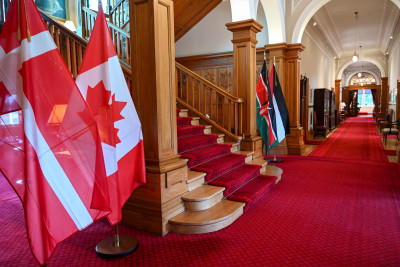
column 375, row 24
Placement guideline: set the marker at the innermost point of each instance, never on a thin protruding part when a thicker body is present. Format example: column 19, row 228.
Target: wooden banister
column 119, row 14
column 121, row 39
column 72, row 47
column 210, row 102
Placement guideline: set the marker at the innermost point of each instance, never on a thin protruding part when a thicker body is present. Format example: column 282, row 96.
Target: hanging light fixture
column 355, row 56
column 360, row 73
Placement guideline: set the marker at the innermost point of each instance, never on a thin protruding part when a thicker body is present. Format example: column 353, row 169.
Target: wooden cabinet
column 332, row 113
column 322, row 106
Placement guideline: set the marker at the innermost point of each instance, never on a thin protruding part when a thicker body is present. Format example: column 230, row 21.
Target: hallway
column 338, row 206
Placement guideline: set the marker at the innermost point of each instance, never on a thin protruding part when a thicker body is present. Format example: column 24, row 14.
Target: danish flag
column 50, row 151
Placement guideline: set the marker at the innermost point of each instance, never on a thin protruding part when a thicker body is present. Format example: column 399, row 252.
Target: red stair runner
column 189, row 130
column 242, row 182
column 237, row 177
column 251, row 192
column 206, row 153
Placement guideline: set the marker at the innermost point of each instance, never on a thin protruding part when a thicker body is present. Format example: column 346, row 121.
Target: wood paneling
column 384, row 96
column 153, row 75
column 287, row 57
column 189, row 13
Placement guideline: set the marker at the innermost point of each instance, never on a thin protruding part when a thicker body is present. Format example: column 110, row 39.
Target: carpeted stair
column 227, row 180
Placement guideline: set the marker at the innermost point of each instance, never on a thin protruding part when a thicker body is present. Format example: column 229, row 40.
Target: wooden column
column 153, row 75
column 384, row 96
column 337, row 92
column 244, row 79
column 287, row 64
column 398, row 101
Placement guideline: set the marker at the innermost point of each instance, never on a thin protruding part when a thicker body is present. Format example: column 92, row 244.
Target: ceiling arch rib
column 275, row 21
column 371, row 60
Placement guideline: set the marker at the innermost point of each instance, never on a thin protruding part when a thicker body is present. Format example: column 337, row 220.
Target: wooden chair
column 388, row 120
column 319, row 130
column 391, row 129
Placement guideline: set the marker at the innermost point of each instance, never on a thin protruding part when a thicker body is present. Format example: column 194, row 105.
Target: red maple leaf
column 105, row 114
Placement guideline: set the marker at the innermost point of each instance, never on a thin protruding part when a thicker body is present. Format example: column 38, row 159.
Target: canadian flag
column 50, row 150
column 103, row 86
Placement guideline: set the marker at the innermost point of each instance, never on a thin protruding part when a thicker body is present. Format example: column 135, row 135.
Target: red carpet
column 357, row 139
column 222, row 167
column 340, row 214
column 324, row 212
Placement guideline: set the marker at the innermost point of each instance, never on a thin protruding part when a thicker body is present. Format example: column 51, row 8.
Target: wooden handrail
column 208, row 83
column 118, row 14
column 216, row 106
column 121, row 38
column 72, row 47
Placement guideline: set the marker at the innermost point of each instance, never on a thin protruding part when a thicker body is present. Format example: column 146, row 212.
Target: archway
column 306, row 15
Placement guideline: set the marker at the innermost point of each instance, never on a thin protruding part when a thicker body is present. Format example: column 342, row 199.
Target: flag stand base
column 108, row 249
column 275, row 159
column 117, row 245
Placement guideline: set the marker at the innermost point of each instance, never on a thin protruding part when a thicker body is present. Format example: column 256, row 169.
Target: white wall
column 262, row 37
column 210, row 35
column 317, row 61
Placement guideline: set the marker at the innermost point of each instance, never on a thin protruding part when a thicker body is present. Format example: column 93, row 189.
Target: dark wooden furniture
column 332, row 110
column 321, row 110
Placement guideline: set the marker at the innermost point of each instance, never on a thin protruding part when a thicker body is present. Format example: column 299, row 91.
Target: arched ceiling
column 375, row 24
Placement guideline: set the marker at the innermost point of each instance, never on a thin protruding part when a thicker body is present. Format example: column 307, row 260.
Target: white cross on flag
column 104, row 88
column 50, row 150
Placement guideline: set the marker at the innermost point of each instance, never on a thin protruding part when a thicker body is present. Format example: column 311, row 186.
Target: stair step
column 180, row 121
column 183, row 113
column 207, row 129
column 235, row 178
column 261, row 162
column 248, row 154
column 203, row 197
column 220, row 139
column 219, row 166
column 254, row 190
column 213, row 219
column 195, row 179
column 272, row 170
column 189, row 130
column 194, row 142
column 235, row 146
column 195, row 121
column 204, row 154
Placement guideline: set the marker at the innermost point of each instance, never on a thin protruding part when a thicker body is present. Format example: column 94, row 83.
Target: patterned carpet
column 324, row 212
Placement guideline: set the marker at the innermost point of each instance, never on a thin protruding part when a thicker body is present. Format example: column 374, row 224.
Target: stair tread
column 194, row 176
column 258, row 162
column 236, row 177
column 221, row 165
column 246, row 153
column 206, row 153
column 251, row 192
column 203, row 193
column 219, row 212
column 272, row 170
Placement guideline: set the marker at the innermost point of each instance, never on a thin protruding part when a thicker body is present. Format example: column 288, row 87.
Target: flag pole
column 117, row 245
column 275, row 160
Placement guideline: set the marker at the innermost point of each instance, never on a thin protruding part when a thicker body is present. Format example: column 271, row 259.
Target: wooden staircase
column 206, row 208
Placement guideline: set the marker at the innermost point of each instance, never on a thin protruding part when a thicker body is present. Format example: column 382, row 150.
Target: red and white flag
column 50, row 150
column 104, row 88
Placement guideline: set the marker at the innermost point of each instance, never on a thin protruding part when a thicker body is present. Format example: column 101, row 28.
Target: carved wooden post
column 244, row 79
column 337, row 92
column 153, row 74
column 384, row 97
column 287, row 65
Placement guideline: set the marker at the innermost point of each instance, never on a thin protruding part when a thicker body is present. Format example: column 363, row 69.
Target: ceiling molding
column 324, row 22
column 393, row 21
column 381, row 28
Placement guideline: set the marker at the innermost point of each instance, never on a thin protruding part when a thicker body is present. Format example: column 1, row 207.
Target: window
column 365, row 98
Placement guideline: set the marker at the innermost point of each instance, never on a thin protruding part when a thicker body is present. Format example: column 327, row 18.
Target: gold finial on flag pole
column 265, row 56
column 28, row 33
column 274, row 60
column 19, row 23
